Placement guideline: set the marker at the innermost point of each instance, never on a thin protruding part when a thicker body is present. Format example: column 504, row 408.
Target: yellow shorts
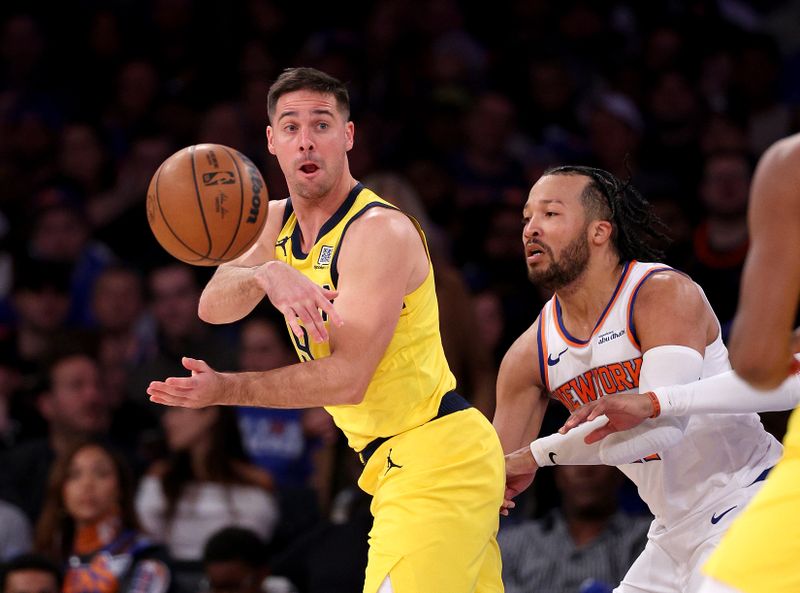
column 437, row 491
column 761, row 551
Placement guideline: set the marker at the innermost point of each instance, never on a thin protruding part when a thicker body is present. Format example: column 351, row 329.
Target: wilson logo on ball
column 219, row 178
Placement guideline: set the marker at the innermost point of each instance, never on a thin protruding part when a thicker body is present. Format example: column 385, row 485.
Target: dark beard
column 571, row 263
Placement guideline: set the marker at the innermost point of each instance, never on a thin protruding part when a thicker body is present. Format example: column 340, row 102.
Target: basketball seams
column 200, row 202
column 166, row 221
column 260, row 227
column 241, row 202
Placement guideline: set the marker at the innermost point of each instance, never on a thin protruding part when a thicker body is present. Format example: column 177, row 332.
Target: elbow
column 761, row 372
column 206, row 311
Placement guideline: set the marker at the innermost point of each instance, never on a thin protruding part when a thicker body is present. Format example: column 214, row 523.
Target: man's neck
column 313, row 213
column 585, row 299
column 585, row 531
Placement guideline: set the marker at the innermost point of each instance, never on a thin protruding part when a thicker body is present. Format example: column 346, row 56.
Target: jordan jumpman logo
column 390, row 464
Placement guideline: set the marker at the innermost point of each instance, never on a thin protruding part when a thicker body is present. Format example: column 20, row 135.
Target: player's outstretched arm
column 770, row 290
column 726, row 393
column 238, row 286
column 520, row 407
column 381, row 260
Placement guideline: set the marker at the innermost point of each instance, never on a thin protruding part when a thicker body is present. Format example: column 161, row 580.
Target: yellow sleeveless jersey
column 413, row 374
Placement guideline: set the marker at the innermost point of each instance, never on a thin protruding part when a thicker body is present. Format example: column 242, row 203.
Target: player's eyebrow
column 294, row 113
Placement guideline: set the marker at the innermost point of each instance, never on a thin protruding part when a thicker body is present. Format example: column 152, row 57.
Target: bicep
column 374, row 265
column 521, row 402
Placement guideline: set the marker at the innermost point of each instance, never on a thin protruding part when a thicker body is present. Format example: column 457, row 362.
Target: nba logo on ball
column 207, row 204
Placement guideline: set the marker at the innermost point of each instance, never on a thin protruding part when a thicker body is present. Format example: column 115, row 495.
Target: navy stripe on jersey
column 541, row 352
column 297, row 247
column 287, row 212
column 335, row 260
column 602, row 315
column 645, row 278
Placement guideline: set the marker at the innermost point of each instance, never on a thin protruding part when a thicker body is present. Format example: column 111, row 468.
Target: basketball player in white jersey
column 759, row 554
column 615, row 325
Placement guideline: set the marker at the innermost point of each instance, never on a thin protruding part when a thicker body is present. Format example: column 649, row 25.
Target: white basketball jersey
column 719, row 452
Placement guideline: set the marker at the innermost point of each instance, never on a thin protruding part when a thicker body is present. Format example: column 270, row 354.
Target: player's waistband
column 451, row 402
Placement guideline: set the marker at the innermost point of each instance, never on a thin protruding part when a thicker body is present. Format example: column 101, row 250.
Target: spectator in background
column 30, row 573
column 721, row 240
column 41, row 302
column 205, row 484
column 237, row 559
column 15, row 532
column 584, row 539
column 174, row 295
column 284, row 442
column 61, row 233
column 72, row 402
column 88, row 525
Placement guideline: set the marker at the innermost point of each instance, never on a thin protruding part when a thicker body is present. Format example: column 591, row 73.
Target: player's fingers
column 595, row 412
column 577, row 417
column 312, row 321
column 333, row 314
column 182, row 383
column 294, row 325
column 599, row 434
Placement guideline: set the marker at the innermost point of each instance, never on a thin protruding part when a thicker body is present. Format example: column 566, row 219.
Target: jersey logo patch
column 325, row 257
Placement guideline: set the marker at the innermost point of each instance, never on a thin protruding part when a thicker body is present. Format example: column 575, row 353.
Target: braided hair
column 637, row 231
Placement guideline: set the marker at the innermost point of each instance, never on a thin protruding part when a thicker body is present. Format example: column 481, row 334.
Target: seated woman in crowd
column 205, row 484
column 88, row 525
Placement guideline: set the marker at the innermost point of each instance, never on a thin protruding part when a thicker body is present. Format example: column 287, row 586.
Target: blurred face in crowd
column 60, row 233
column 726, row 185
column 75, row 402
column 91, row 489
column 31, row 580
column 555, row 231
column 175, row 297
column 186, row 428
column 310, row 136
column 44, row 309
column 263, row 347
column 117, row 300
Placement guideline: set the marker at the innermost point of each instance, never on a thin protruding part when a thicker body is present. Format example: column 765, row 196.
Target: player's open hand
column 302, row 302
column 520, row 470
column 205, row 387
column 623, row 412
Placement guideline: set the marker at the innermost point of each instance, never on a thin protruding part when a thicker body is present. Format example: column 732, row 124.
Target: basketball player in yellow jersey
column 759, row 553
column 433, row 464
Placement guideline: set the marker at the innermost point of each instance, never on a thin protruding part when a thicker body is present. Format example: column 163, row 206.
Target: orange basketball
column 207, row 204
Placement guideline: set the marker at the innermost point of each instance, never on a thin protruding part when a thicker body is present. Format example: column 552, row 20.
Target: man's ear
column 349, row 134
column 270, row 145
column 600, row 231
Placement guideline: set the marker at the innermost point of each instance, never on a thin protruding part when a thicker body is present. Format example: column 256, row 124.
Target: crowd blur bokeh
column 458, row 108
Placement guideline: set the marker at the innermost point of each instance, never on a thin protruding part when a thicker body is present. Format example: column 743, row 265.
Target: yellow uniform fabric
column 760, row 552
column 437, row 483
column 413, row 374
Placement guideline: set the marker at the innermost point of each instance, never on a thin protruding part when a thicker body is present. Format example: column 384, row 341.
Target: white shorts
column 672, row 559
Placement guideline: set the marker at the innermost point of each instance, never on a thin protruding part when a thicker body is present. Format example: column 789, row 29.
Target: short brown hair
column 308, row 79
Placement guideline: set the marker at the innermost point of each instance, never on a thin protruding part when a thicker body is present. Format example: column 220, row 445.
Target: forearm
column 726, row 393
column 570, row 448
column 230, row 295
column 323, row 382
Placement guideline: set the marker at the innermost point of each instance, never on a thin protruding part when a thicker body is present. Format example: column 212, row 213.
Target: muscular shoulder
column 385, row 224
column 670, row 309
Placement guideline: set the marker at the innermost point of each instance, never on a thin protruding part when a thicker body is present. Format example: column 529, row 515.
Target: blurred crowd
column 458, row 108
